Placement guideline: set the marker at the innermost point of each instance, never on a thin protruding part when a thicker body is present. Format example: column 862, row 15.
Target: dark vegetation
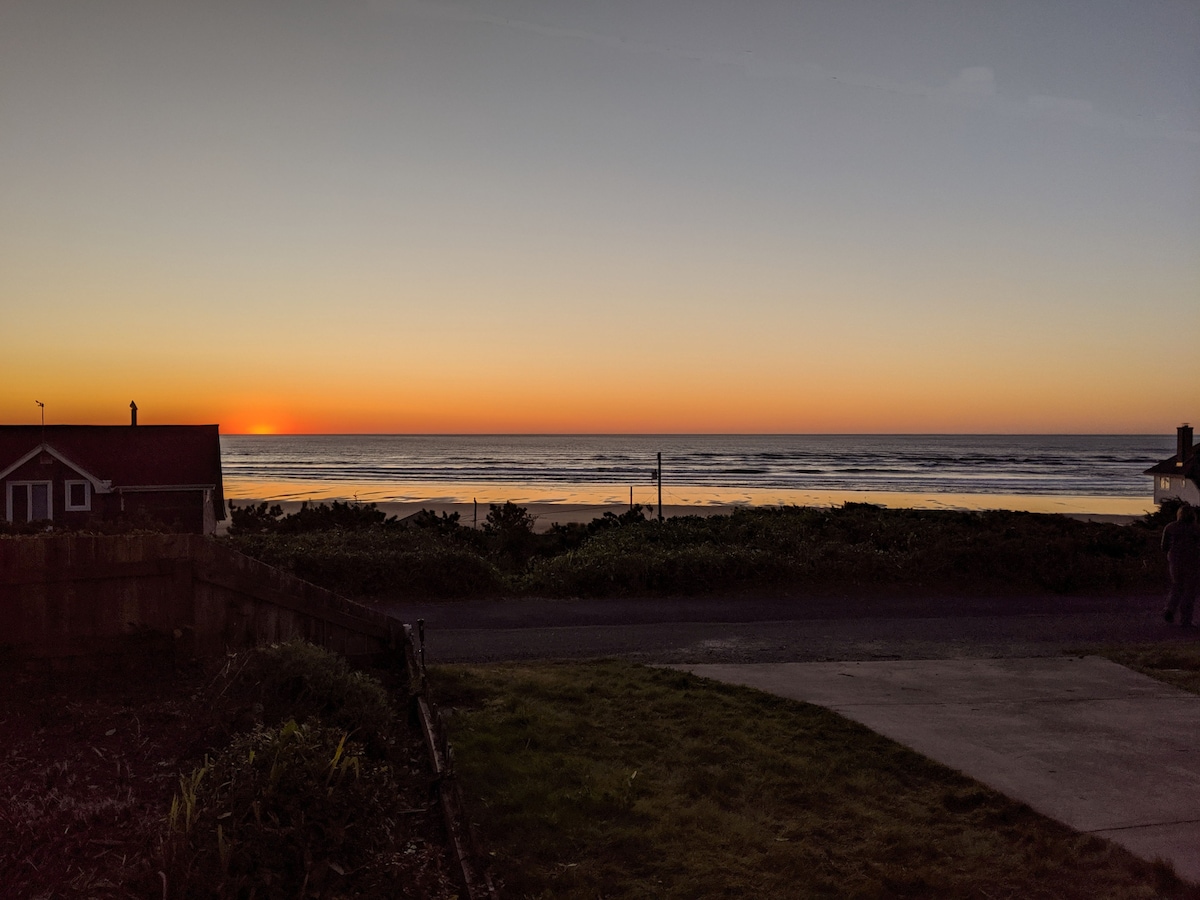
column 138, row 521
column 285, row 774
column 356, row 550
column 613, row 780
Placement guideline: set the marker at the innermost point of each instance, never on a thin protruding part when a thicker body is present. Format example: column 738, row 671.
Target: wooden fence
column 88, row 600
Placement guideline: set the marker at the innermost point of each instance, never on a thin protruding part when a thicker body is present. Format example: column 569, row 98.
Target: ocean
column 697, row 469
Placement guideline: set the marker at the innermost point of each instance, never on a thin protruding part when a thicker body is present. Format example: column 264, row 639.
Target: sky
column 485, row 216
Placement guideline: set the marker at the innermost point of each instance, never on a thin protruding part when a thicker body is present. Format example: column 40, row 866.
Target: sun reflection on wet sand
column 698, row 498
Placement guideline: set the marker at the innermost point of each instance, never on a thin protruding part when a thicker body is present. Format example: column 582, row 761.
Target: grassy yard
column 611, row 780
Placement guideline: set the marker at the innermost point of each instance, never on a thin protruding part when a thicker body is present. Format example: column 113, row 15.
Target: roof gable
column 98, row 485
column 1189, row 469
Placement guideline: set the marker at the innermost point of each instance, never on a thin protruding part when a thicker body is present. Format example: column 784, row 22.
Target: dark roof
column 1189, row 469
column 128, row 455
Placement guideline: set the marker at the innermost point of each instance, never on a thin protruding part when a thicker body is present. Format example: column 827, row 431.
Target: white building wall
column 1176, row 487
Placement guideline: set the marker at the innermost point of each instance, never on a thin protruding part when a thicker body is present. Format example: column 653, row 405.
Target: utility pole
column 656, row 475
column 659, row 474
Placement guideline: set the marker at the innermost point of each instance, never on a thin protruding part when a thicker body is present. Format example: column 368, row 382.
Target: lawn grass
column 1175, row 664
column 608, row 779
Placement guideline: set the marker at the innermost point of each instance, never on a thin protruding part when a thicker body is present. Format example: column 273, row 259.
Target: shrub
column 336, row 517
column 259, row 519
column 510, row 533
column 855, row 545
column 304, row 802
column 446, row 523
column 401, row 561
column 281, row 813
column 298, row 680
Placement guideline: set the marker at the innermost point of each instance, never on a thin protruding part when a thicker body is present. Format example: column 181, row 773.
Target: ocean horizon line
column 705, row 434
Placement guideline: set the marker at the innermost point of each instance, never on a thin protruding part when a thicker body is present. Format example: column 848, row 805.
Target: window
column 1164, row 483
column 79, row 496
column 28, row 501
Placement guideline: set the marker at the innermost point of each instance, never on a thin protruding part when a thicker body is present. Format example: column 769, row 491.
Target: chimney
column 133, row 416
column 1184, row 448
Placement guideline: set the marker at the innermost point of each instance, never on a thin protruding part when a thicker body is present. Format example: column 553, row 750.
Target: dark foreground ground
column 89, row 765
column 781, row 628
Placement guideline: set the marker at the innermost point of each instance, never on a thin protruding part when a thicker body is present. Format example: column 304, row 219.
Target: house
column 79, row 474
column 1178, row 478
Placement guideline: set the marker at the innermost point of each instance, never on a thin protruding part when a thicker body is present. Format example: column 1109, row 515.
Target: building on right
column 1178, row 478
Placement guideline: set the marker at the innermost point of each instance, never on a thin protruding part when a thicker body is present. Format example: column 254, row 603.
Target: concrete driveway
column 1082, row 740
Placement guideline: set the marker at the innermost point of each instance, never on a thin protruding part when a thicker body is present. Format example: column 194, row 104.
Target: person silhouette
column 1181, row 541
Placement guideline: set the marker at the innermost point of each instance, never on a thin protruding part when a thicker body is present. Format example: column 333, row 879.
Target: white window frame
column 87, row 495
column 29, row 486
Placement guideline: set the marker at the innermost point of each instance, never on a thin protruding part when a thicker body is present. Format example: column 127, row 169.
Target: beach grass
column 312, row 795
column 855, row 546
column 609, row 779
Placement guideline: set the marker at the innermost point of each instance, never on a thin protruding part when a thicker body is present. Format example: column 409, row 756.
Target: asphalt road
column 771, row 629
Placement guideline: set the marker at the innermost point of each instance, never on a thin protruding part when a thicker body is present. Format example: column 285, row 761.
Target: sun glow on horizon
column 780, row 402
column 528, row 217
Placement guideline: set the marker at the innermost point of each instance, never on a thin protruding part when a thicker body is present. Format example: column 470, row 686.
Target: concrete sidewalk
column 1082, row 740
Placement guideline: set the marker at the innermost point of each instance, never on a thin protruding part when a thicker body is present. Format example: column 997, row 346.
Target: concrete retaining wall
column 84, row 600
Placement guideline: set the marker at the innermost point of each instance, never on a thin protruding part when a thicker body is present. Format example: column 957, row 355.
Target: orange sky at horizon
column 642, row 216
column 628, row 407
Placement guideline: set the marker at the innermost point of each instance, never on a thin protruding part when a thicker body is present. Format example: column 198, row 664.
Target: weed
column 279, row 812
column 307, row 802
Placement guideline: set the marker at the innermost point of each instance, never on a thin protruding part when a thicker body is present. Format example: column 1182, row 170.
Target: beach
column 580, row 506
column 562, row 479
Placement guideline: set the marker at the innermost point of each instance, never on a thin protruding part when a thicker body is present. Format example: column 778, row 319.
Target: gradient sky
column 631, row 216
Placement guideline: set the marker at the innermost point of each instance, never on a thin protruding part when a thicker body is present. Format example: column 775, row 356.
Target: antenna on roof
column 42, row 406
column 133, row 414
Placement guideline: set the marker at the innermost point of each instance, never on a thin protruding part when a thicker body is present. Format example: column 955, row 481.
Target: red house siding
column 42, row 468
column 168, row 475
